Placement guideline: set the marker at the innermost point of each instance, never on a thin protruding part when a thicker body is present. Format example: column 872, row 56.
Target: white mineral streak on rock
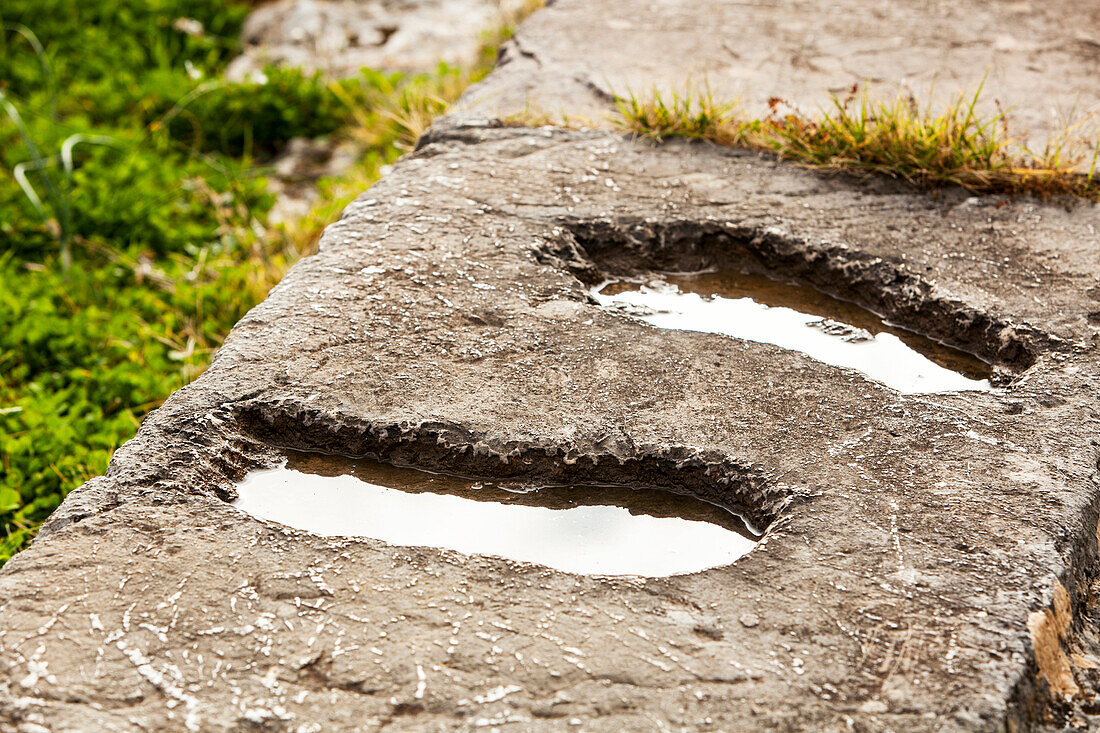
column 497, row 693
column 421, row 682
column 159, row 680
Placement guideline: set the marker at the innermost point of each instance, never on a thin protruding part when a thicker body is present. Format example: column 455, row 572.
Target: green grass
column 955, row 145
column 133, row 213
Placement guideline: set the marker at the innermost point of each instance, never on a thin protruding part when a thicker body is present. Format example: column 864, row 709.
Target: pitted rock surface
column 928, row 561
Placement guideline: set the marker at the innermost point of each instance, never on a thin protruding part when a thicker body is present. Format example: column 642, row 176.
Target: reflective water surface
column 800, row 318
column 595, row 530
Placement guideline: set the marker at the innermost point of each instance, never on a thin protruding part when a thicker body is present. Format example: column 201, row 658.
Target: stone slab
column 929, row 560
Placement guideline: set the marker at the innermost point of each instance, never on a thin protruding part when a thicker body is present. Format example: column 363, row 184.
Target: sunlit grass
column 90, row 349
column 956, row 145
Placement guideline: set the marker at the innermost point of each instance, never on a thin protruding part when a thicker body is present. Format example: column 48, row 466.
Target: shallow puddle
column 803, row 319
column 593, row 530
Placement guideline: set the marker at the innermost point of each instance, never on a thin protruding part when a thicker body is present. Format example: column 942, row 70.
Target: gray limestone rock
column 340, row 37
column 929, row 561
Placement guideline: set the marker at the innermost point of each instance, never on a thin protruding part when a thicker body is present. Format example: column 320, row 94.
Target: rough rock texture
column 1037, row 60
column 340, row 37
column 929, row 561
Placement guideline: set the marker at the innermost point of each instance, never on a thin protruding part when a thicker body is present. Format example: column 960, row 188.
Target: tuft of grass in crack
column 956, row 145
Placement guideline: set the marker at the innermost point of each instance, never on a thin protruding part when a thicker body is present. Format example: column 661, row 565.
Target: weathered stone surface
column 928, row 561
column 1037, row 60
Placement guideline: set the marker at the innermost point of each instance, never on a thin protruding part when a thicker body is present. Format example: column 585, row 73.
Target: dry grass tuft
column 533, row 115
column 898, row 138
